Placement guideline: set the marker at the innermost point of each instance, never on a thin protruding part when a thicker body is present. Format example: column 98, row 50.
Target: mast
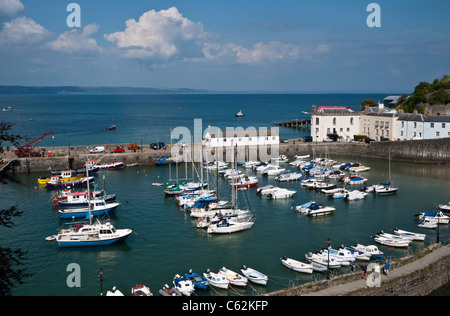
column 88, row 195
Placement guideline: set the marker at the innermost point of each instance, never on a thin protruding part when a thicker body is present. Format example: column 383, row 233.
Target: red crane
column 27, row 150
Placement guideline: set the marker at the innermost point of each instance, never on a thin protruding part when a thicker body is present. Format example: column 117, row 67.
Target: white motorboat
column 234, row 278
column 385, row 190
column 254, row 275
column 282, row 194
column 239, row 114
column 436, row 216
column 373, row 188
column 357, row 180
column 214, row 165
column 211, row 212
column 411, row 235
column 322, row 260
column 244, row 182
column 114, row 292
column 227, row 226
column 445, row 207
column 358, row 254
column 286, row 177
column 218, row 280
column 355, row 195
column 370, row 250
column 318, row 209
column 426, row 223
column 297, row 265
column 272, row 170
column 304, row 207
column 250, row 164
column 303, row 157
column 359, row 168
column 183, row 285
column 281, row 159
column 7, row 109
column 266, row 190
column 342, row 255
column 341, row 194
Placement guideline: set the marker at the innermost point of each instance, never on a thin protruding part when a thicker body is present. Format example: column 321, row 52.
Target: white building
column 418, row 126
column 334, row 120
column 249, row 137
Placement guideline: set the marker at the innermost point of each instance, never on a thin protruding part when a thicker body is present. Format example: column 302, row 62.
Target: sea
column 165, row 240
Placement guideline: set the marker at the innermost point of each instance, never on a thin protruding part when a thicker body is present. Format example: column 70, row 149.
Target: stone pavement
column 345, row 289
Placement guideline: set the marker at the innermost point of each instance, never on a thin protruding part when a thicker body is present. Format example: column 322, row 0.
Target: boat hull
column 99, row 242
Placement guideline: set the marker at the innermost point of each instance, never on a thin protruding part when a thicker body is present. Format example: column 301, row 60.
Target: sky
column 226, row 45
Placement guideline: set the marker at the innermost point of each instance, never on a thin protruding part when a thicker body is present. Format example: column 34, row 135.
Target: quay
column 433, row 151
column 416, row 275
column 303, row 123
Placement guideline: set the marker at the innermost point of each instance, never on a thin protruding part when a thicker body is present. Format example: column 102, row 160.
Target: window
column 437, row 134
column 415, row 124
column 401, row 133
column 351, row 121
column 341, row 129
column 317, row 121
column 334, row 121
column 443, row 125
column 432, row 125
column 403, row 124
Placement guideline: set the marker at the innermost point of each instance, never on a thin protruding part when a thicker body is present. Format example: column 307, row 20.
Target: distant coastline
column 74, row 90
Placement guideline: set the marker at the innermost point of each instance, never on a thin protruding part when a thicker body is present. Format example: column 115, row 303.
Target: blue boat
column 99, row 208
column 199, row 281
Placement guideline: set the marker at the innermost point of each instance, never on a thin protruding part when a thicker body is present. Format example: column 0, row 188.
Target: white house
column 341, row 121
column 419, row 126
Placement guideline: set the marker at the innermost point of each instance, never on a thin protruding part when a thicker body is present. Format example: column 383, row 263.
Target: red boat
column 240, row 182
column 112, row 127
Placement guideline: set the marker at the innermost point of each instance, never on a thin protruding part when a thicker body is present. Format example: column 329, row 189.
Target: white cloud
column 163, row 35
column 22, row 31
column 77, row 41
column 10, row 7
column 262, row 53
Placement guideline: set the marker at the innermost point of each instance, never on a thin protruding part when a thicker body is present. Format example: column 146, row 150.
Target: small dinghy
column 216, row 279
column 199, row 281
column 297, row 265
column 234, row 278
column 254, row 275
column 141, row 290
column 404, row 233
column 167, row 291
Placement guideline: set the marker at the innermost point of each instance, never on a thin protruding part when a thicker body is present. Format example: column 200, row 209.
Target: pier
column 295, row 123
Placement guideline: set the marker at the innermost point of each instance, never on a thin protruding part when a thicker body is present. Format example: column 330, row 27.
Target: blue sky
column 245, row 45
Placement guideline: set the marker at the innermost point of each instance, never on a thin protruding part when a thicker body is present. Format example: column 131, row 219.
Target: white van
column 98, row 149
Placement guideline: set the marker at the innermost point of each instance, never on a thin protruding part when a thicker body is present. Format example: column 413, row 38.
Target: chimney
column 366, row 109
column 380, row 108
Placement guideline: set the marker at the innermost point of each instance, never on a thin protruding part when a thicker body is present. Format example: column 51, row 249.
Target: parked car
column 282, row 140
column 328, row 140
column 119, row 149
column 307, row 139
column 159, row 145
column 97, row 150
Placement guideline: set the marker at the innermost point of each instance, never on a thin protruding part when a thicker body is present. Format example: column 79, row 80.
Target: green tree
column 12, row 262
column 368, row 102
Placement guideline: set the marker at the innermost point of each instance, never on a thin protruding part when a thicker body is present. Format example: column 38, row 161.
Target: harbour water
column 166, row 241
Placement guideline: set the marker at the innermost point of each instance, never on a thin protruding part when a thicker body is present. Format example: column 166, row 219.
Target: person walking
column 387, row 267
column 364, row 271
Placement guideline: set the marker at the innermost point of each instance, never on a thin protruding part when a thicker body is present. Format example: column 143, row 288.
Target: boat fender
column 244, row 267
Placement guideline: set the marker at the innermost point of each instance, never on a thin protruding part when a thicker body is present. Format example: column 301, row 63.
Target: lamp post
column 328, row 262
column 100, row 278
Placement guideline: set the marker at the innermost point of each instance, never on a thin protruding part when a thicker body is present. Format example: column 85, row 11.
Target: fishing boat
column 97, row 208
column 199, row 281
column 436, row 216
column 234, row 278
column 297, row 265
column 167, row 291
column 68, row 199
column 111, row 128
column 111, row 166
column 254, row 275
column 55, row 184
column 239, row 114
column 183, row 285
column 218, row 280
column 286, row 177
column 62, row 177
column 413, row 236
column 141, row 290
column 370, row 250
